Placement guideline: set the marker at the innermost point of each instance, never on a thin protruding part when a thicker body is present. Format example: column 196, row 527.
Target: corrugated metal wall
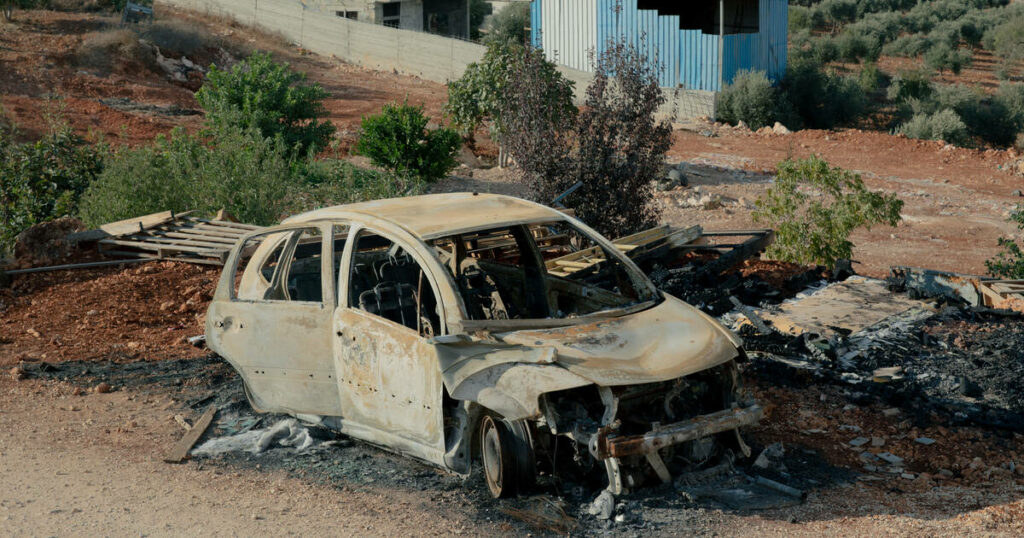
column 567, row 29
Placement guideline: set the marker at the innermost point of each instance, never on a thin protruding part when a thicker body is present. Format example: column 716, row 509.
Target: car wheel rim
column 492, row 455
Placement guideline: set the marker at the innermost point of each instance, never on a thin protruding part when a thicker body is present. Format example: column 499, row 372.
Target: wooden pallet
column 1007, row 294
column 166, row 236
column 632, row 245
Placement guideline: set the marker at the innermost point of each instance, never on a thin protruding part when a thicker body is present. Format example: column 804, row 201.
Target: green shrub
column 262, row 94
column 1010, row 262
column 1007, row 40
column 814, row 208
column 838, row 12
column 910, row 46
column 398, row 139
column 43, row 180
column 509, row 25
column 1011, row 97
column 256, row 179
column 750, row 98
column 800, row 18
column 869, row 78
column 943, row 125
column 823, row 100
column 943, row 57
column 853, row 47
column 910, row 85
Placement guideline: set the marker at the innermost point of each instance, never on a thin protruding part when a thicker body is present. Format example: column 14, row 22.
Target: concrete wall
column 428, row 56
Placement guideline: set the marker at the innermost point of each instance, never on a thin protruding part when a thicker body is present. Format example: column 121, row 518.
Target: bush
column 910, row 85
column 944, row 125
column 823, row 100
column 751, row 98
column 43, row 180
column 104, row 50
column 178, row 37
column 1011, row 97
column 910, row 46
column 838, row 12
column 1007, row 40
column 869, row 78
column 615, row 148
column 853, row 47
column 397, row 139
column 1010, row 262
column 942, row 56
column 256, row 179
column 509, row 25
column 800, row 18
column 814, row 208
column 262, row 94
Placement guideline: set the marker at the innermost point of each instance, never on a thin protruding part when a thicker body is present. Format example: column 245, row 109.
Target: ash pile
column 935, row 344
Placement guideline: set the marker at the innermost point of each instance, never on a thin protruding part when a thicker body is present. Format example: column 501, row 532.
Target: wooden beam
column 180, row 451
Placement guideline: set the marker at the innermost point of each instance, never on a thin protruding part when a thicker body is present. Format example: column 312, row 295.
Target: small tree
column 478, row 97
column 398, row 139
column 1010, row 262
column 260, row 93
column 43, row 180
column 750, row 98
column 509, row 25
column 814, row 208
column 614, row 147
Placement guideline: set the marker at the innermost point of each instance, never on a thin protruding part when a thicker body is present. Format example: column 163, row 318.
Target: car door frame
column 307, row 393
column 365, row 385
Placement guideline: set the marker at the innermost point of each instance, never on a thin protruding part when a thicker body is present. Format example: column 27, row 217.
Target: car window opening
column 387, row 282
column 281, row 266
column 538, row 271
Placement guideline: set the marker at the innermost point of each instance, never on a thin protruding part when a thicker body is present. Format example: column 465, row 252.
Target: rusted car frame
column 448, row 328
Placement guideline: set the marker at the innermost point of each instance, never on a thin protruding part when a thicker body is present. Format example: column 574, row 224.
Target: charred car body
column 463, row 327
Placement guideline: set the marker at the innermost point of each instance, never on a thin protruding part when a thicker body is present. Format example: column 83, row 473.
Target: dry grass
column 106, row 50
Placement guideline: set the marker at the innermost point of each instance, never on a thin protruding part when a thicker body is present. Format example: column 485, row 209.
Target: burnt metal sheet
column 680, row 432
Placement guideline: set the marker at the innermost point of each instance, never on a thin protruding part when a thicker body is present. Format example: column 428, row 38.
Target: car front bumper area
column 608, row 444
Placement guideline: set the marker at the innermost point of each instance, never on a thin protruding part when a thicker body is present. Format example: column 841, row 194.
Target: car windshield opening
column 549, row 270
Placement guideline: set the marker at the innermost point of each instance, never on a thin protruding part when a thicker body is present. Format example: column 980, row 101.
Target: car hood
column 671, row 340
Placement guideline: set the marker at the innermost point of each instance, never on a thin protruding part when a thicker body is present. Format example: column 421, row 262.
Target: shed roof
column 436, row 215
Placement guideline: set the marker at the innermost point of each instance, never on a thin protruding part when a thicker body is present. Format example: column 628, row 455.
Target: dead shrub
column 106, row 50
column 179, row 37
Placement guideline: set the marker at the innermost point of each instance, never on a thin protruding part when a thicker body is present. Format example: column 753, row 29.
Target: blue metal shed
column 700, row 44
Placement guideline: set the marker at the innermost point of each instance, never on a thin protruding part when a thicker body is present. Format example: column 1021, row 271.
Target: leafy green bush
column 256, row 179
column 509, row 25
column 1010, row 262
column 262, row 94
column 869, row 78
column 943, row 57
column 853, row 47
column 910, row 85
column 800, row 18
column 943, row 125
column 1007, row 40
column 43, row 180
column 814, row 208
column 838, row 12
column 398, row 139
column 1011, row 97
column 911, row 46
column 751, row 98
column 823, row 99
column 614, row 147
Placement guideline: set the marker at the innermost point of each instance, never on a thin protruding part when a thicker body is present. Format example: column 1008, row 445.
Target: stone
column 17, row 373
column 1017, row 193
column 877, row 441
column 33, row 333
column 925, row 441
column 849, row 428
column 603, row 506
column 771, row 457
column 742, row 125
column 166, row 305
column 859, row 441
column 891, row 412
column 102, row 388
column 780, row 129
column 889, row 457
column 945, row 473
column 909, row 476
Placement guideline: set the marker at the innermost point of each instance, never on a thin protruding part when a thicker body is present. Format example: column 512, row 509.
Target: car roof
column 436, row 215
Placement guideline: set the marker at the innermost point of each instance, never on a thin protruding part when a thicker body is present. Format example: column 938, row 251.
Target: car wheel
column 506, row 453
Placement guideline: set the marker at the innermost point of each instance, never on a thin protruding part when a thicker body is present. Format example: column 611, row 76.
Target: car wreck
column 464, row 328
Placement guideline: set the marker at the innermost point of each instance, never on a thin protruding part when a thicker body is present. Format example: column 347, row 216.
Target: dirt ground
column 76, row 461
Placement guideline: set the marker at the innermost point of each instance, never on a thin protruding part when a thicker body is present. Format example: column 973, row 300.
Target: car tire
column 506, row 455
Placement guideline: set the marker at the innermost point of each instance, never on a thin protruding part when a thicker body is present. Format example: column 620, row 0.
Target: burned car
column 458, row 328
